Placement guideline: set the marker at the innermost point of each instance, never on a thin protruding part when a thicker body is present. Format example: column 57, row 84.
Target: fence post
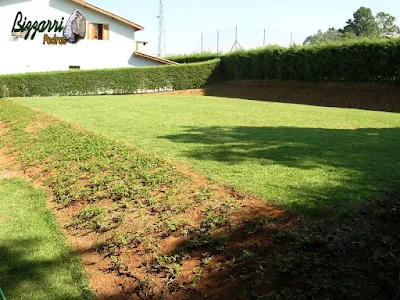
column 236, row 34
column 217, row 41
column 264, row 39
column 202, row 43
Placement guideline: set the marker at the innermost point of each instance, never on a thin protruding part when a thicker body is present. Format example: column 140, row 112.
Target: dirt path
column 7, row 170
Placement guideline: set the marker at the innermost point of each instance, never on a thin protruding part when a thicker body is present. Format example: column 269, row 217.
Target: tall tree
column 386, row 24
column 363, row 24
column 330, row 35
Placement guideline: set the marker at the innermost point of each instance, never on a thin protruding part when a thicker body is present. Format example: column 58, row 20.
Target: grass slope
column 312, row 159
column 35, row 262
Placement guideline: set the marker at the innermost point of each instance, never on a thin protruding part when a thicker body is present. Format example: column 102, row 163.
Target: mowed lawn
column 311, row 159
column 35, row 261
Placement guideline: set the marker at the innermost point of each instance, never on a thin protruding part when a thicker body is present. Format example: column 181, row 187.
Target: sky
column 284, row 21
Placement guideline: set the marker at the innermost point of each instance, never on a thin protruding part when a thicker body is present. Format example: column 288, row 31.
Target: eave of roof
column 107, row 13
column 159, row 59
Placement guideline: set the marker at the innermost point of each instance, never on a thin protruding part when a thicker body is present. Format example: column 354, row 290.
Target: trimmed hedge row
column 364, row 60
column 109, row 81
column 356, row 60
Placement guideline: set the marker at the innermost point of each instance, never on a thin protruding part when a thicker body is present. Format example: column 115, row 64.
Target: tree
column 386, row 24
column 349, row 36
column 363, row 24
column 330, row 35
column 313, row 39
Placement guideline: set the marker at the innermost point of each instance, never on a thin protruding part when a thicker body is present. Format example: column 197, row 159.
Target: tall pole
column 217, row 41
column 236, row 44
column 291, row 39
column 236, row 35
column 161, row 30
column 264, row 40
column 202, row 43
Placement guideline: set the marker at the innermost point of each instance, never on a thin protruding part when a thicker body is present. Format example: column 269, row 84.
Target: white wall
column 32, row 56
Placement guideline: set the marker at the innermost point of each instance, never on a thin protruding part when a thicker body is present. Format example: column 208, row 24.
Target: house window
column 98, row 31
column 74, row 67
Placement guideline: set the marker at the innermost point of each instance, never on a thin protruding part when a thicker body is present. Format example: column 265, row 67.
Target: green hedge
column 363, row 60
column 194, row 57
column 109, row 81
column 356, row 60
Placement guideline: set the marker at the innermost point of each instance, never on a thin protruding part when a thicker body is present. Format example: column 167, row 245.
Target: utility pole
column 162, row 48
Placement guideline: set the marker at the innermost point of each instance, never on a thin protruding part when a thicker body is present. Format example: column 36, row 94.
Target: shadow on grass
column 278, row 258
column 353, row 164
column 29, row 278
column 281, row 256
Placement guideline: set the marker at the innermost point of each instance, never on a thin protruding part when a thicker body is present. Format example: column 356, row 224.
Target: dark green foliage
column 108, row 81
column 194, row 57
column 354, row 60
column 361, row 60
column 363, row 24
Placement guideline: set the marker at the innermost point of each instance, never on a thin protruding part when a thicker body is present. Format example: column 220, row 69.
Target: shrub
column 109, row 81
column 361, row 60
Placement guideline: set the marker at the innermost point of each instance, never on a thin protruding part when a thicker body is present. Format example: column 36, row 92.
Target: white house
column 109, row 40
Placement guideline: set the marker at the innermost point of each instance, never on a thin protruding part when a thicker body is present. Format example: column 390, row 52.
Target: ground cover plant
column 314, row 160
column 35, row 261
column 152, row 229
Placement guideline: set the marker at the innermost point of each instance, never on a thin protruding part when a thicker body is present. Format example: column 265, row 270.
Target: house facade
column 109, row 40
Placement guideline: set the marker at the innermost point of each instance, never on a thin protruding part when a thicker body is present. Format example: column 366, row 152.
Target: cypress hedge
column 355, row 60
column 362, row 60
column 109, row 81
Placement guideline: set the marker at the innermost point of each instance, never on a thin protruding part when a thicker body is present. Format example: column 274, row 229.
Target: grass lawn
column 35, row 262
column 311, row 159
column 162, row 235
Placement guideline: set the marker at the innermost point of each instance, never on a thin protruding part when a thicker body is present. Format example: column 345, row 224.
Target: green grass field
column 35, row 261
column 311, row 159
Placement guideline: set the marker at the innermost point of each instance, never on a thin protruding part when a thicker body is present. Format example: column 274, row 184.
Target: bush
column 361, row 60
column 109, row 81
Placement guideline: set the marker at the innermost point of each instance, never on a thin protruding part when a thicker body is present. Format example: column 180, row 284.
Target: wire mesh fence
column 234, row 38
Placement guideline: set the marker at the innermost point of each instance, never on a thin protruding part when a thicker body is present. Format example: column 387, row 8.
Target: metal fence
column 234, row 38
